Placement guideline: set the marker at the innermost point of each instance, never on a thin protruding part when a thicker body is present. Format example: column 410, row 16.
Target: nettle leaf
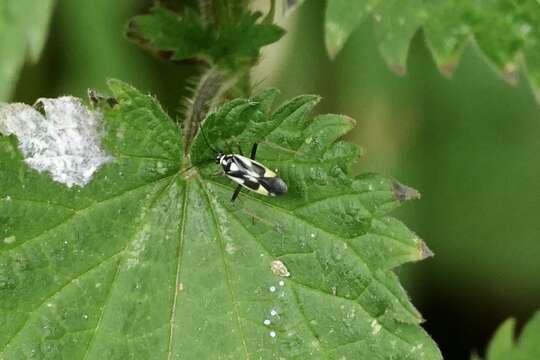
column 23, row 31
column 230, row 43
column 504, row 347
column 152, row 260
column 503, row 30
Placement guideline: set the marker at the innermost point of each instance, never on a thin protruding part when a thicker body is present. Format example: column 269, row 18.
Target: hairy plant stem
column 215, row 82
column 208, row 89
column 207, row 11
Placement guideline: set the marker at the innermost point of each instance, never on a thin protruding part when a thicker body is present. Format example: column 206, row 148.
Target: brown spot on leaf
column 448, row 68
column 398, row 69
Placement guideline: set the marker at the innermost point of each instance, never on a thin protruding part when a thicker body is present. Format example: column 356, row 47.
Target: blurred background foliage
column 469, row 144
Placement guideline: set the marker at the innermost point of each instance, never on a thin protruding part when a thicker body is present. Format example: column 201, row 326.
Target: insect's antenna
column 276, row 146
column 206, row 139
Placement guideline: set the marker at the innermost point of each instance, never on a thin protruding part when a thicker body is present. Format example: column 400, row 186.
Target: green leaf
column 342, row 17
column 504, row 347
column 503, row 341
column 230, row 43
column 23, row 31
column 152, row 260
column 501, row 29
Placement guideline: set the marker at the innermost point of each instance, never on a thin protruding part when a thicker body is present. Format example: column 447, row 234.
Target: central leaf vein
column 225, row 267
column 179, row 254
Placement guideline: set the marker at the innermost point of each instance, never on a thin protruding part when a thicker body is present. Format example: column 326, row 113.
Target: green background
column 469, row 144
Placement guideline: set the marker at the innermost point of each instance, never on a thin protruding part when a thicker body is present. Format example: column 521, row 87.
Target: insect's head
column 219, row 156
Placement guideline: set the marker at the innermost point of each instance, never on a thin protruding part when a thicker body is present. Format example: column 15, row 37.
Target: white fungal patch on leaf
column 65, row 142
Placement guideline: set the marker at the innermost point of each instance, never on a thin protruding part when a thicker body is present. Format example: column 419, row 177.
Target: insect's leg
column 253, row 151
column 236, row 192
column 276, row 146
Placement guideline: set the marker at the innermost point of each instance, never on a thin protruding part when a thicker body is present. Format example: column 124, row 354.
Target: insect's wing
column 273, row 185
column 249, row 182
column 249, row 166
column 255, row 177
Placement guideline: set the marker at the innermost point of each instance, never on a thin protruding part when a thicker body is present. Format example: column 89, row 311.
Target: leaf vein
column 113, row 282
column 344, row 240
column 48, row 203
column 55, row 293
column 307, row 323
column 88, row 208
column 109, row 295
column 179, row 254
column 225, row 267
column 372, row 277
column 70, row 281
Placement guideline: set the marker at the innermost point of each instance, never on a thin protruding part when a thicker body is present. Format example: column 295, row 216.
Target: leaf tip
column 537, row 95
column 423, row 251
column 335, row 38
column 399, row 69
column 119, row 88
column 349, row 121
column 509, row 73
column 268, row 93
column 332, row 52
column 503, row 340
column 448, row 68
column 313, row 98
column 404, row 193
column 535, row 87
column 115, row 84
column 361, row 151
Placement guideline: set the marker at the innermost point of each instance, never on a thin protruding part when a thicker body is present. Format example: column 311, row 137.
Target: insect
column 249, row 173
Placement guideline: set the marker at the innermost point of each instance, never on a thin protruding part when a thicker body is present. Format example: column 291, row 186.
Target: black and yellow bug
column 251, row 174
column 248, row 173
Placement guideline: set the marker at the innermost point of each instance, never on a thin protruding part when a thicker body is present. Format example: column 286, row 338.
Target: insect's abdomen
column 274, row 185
